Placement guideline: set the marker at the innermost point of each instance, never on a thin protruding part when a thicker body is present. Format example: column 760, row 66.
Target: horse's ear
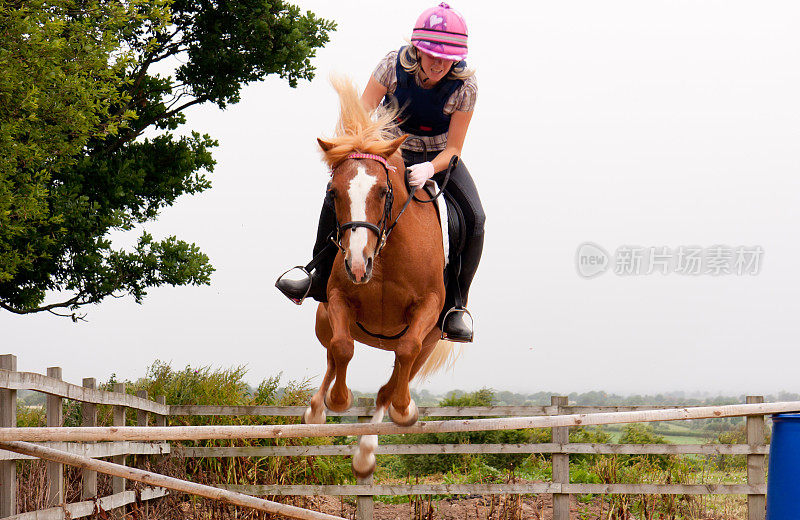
column 394, row 145
column 325, row 145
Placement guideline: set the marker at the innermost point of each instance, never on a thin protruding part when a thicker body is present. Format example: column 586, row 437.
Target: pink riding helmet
column 441, row 32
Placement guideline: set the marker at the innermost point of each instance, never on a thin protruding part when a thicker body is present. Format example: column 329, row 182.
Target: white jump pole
column 176, row 433
column 155, row 479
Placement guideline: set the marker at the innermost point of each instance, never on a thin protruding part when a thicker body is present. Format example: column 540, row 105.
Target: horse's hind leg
column 385, row 393
column 364, row 458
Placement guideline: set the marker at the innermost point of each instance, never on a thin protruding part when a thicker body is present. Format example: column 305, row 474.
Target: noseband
column 383, row 229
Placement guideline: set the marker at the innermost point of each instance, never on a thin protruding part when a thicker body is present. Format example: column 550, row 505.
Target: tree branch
column 76, row 300
column 74, row 316
column 170, row 113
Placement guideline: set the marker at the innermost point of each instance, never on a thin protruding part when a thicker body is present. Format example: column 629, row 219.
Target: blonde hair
column 409, row 60
column 359, row 130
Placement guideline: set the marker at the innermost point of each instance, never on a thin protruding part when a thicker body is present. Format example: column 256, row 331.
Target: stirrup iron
column 295, row 289
column 466, row 335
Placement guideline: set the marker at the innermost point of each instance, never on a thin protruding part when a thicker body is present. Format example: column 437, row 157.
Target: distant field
column 675, row 433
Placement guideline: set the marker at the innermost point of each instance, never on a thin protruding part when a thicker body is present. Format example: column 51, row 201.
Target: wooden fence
column 156, row 413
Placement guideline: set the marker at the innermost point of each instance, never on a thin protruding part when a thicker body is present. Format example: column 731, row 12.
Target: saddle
column 451, row 220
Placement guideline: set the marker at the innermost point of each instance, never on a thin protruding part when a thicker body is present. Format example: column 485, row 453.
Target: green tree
column 78, row 92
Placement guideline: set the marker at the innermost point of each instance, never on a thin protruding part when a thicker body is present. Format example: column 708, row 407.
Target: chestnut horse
column 386, row 289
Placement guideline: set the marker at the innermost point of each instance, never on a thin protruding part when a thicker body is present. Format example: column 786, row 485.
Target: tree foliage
column 78, row 93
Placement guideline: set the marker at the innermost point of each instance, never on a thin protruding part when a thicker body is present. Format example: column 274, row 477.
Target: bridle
column 383, row 229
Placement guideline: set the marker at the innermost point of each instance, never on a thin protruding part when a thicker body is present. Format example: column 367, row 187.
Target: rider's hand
column 420, row 173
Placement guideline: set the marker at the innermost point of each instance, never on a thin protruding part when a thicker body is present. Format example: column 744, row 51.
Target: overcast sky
column 621, row 123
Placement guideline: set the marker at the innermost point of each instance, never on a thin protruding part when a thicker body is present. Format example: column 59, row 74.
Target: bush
column 737, row 436
column 419, row 465
column 643, row 434
column 584, row 435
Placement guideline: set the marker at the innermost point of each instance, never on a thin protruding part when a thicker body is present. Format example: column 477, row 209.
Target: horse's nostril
column 369, row 264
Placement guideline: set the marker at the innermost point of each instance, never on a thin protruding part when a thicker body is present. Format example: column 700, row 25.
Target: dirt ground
column 488, row 507
column 475, row 507
column 467, row 508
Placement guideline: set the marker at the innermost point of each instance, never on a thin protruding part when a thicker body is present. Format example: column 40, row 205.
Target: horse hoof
column 409, row 419
column 308, row 417
column 343, row 408
column 363, row 465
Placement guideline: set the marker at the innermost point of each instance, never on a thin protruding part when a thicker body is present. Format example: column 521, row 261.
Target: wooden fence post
column 55, row 417
column 560, row 463
column 161, row 420
column 89, row 418
column 756, row 473
column 118, row 483
column 365, row 504
column 8, row 419
column 142, row 418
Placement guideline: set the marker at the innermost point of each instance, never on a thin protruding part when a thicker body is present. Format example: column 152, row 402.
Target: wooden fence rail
column 133, row 433
column 454, row 449
column 11, row 380
column 559, row 416
column 424, row 411
column 154, row 479
column 498, row 489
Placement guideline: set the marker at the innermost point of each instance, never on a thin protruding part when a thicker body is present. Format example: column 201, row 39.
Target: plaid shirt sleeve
column 464, row 98
column 469, row 95
column 385, row 73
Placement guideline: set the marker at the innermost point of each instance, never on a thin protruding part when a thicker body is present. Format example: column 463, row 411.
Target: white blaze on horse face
column 359, row 189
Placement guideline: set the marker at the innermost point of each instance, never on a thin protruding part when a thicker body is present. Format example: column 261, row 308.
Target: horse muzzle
column 358, row 269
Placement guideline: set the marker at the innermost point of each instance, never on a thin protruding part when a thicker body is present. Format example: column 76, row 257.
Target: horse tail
column 443, row 355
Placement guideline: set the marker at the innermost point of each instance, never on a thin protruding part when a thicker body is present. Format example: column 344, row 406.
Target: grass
column 673, row 432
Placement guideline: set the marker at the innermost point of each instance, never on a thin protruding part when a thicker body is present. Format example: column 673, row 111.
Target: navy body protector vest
column 422, row 110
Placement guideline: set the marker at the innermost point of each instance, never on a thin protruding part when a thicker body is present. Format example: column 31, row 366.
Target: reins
column 383, row 229
column 450, row 168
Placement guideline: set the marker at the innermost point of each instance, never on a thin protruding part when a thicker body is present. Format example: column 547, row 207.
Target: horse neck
column 400, row 192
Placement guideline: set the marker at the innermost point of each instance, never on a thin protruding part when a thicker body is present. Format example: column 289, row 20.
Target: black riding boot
column 297, row 283
column 455, row 320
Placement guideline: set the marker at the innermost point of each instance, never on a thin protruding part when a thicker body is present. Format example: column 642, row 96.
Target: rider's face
column 433, row 69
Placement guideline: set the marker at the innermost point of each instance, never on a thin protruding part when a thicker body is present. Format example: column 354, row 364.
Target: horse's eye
column 383, row 192
column 332, row 191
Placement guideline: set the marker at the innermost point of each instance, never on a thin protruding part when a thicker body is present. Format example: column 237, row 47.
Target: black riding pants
column 462, row 270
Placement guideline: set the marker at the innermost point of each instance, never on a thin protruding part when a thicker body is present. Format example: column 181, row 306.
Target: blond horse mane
column 358, row 129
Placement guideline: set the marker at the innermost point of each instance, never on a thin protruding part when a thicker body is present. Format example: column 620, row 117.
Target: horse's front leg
column 340, row 350
column 315, row 413
column 402, row 409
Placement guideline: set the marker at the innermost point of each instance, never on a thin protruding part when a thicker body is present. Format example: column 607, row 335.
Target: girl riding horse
column 429, row 81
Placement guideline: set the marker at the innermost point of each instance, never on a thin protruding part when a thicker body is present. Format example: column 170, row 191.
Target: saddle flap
column 451, row 221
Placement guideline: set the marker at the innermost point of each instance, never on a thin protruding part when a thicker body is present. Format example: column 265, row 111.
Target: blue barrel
column 783, row 486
